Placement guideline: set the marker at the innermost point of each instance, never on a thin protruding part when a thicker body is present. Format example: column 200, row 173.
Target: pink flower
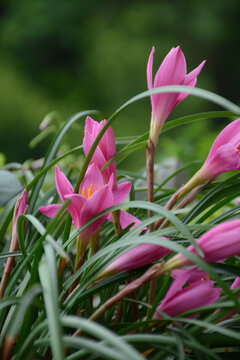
column 93, row 198
column 196, row 293
column 172, row 71
column 105, row 150
column 234, row 285
column 224, row 154
column 141, row 255
column 221, row 242
column 20, row 209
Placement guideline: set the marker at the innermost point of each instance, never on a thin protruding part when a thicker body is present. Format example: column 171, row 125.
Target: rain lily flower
column 219, row 243
column 93, row 197
column 196, row 293
column 140, row 255
column 234, row 285
column 172, row 71
column 105, row 150
column 223, row 156
column 20, row 209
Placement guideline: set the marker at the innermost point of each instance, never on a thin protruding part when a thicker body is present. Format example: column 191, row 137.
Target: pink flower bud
column 141, row 255
column 221, row 242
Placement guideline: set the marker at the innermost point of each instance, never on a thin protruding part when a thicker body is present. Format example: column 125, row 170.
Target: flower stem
column 116, row 221
column 150, row 175
column 152, row 272
column 93, row 243
column 79, row 260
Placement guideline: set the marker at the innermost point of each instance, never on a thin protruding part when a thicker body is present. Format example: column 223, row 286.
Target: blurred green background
column 91, row 54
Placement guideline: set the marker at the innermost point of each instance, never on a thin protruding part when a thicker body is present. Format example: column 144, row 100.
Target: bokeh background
column 76, row 55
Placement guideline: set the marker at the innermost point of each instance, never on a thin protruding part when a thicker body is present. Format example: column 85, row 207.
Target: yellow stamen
column 90, row 191
column 99, row 187
column 83, row 192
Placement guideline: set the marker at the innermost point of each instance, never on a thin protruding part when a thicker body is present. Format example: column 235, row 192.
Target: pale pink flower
column 197, row 293
column 105, row 150
column 93, row 197
column 172, row 71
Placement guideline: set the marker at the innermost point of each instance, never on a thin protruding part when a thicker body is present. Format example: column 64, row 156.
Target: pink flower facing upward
column 196, row 293
column 141, row 255
column 105, row 150
column 219, row 243
column 172, row 71
column 93, row 198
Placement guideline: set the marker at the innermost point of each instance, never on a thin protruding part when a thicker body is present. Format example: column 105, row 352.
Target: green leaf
column 48, row 278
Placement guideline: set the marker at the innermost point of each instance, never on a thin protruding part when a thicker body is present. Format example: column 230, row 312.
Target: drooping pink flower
column 105, row 150
column 93, row 197
column 196, row 293
column 141, row 255
column 172, row 71
column 219, row 243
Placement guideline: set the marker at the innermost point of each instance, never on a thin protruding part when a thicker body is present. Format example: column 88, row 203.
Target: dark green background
column 92, row 54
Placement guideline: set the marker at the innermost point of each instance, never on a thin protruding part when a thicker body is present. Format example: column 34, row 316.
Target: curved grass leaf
column 48, row 278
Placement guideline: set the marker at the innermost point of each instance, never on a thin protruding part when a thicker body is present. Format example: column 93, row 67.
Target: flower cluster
column 99, row 189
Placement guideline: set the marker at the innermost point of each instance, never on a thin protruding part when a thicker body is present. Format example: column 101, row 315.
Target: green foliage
column 42, row 318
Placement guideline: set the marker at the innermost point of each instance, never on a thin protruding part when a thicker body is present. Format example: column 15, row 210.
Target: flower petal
column 75, row 207
column 50, row 210
column 198, row 294
column 98, row 202
column 92, row 177
column 225, row 136
column 190, row 80
column 62, row 184
column 172, row 71
column 225, row 158
column 149, row 69
column 121, row 192
column 139, row 256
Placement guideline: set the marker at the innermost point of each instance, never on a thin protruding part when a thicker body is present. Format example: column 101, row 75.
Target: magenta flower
column 105, row 150
column 93, row 198
column 20, row 209
column 224, row 154
column 234, row 285
column 172, row 71
column 219, row 243
column 196, row 293
column 141, row 255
